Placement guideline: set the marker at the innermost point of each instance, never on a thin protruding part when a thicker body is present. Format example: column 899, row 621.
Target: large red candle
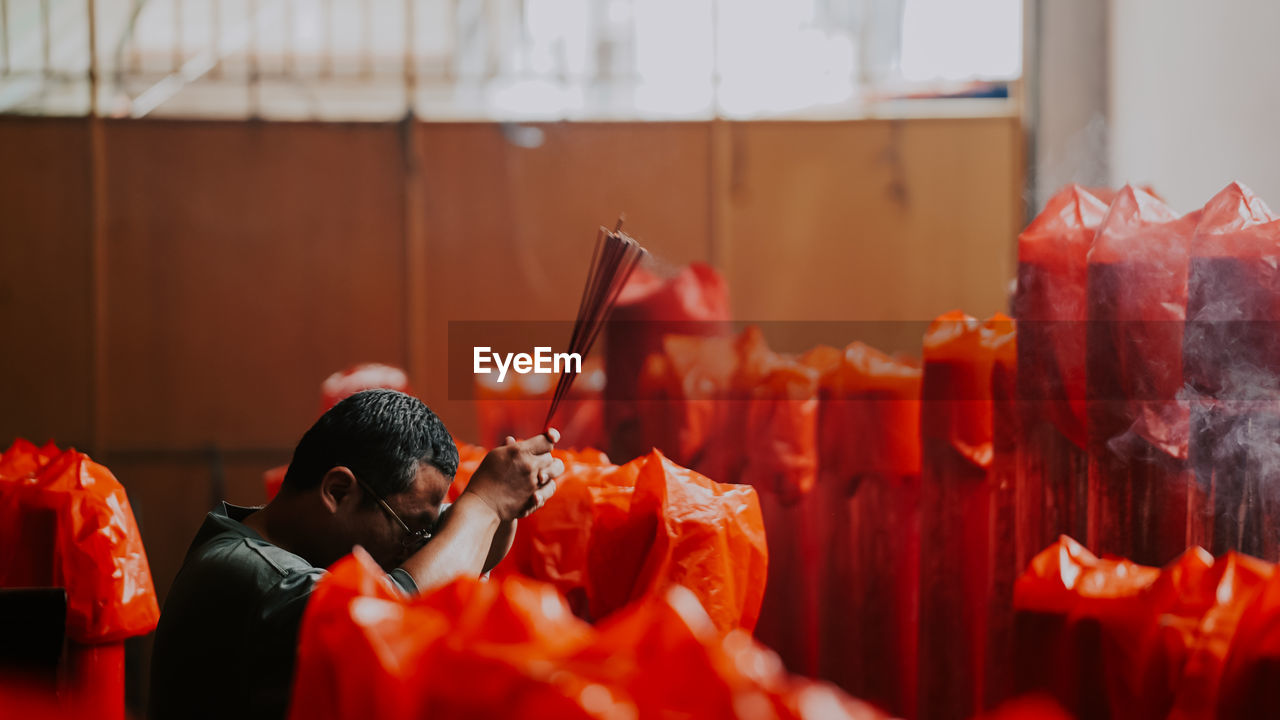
column 867, row 515
column 1138, row 485
column 1050, row 308
column 1231, row 366
column 956, row 440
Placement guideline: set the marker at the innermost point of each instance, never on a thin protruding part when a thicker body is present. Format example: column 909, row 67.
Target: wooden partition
column 172, row 293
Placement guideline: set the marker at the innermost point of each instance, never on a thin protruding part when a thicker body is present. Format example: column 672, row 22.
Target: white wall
column 1195, row 96
column 1066, row 62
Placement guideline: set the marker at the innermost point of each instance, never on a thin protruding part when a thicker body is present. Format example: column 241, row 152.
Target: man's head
column 375, row 447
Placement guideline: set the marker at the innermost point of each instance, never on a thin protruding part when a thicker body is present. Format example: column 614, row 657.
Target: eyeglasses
column 413, row 539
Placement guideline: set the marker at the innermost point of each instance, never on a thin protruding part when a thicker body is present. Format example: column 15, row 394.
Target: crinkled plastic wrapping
column 1050, row 306
column 681, row 529
column 866, row 516
column 551, row 545
column 1110, row 638
column 511, row 648
column 1052, row 273
column 517, row 407
column 1060, row 602
column 68, row 524
column 693, row 302
column 1138, row 429
column 1250, row 683
column 1231, row 366
column 870, row 415
column 735, row 410
column 956, row 430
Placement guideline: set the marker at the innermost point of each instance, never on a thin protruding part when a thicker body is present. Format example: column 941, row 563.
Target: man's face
column 418, row 507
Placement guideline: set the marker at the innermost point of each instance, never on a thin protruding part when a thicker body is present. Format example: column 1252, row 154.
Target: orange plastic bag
column 681, row 528
column 1063, row 601
column 70, row 525
column 866, row 516
column 1138, row 485
column 470, row 649
column 551, row 545
column 694, row 302
column 1128, row 641
column 1050, row 306
column 511, row 648
column 23, row 458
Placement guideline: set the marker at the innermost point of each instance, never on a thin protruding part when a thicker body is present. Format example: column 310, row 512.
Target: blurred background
column 207, row 206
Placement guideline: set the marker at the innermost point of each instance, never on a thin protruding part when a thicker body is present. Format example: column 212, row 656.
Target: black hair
column 382, row 436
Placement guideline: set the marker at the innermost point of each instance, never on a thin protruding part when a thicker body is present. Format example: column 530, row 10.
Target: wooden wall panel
column 46, row 365
column 509, row 229
column 245, row 262
column 885, row 222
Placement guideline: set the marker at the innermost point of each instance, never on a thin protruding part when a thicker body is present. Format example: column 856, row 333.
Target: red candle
column 1138, row 485
column 1050, row 308
column 956, row 441
column 1231, row 366
column 867, row 515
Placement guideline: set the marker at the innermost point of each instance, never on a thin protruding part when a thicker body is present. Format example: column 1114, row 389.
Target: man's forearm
column 501, row 545
column 462, row 546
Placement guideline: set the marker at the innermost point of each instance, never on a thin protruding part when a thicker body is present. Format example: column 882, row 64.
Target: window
column 501, row 59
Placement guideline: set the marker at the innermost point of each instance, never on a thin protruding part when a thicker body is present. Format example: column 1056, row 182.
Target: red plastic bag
column 23, row 458
column 70, row 525
column 1231, row 366
column 552, row 544
column 511, row 648
column 681, row 528
column 517, row 407
column 1050, row 306
column 1250, row 681
column 1064, row 601
column 1210, row 605
column 866, row 516
column 695, row 302
column 1114, row 639
column 1138, row 485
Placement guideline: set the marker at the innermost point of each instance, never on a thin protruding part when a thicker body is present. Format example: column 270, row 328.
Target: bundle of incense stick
column 616, row 256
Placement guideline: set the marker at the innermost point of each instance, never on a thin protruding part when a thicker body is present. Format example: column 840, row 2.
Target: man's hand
column 511, row 482
column 519, row 477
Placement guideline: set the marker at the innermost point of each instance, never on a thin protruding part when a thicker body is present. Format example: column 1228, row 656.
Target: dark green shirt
column 226, row 640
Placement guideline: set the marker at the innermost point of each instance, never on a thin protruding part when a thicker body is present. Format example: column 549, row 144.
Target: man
column 373, row 471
